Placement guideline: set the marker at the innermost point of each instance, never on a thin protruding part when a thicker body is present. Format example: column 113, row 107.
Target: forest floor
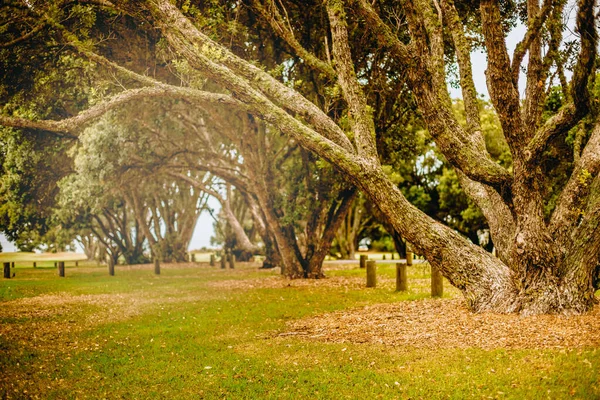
column 201, row 332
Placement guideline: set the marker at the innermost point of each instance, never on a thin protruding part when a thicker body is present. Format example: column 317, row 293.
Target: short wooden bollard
column 223, row 261
column 232, row 261
column 409, row 258
column 156, row 266
column 7, row 270
column 392, row 255
column 212, row 260
column 12, row 264
column 34, row 264
column 193, row 257
column 55, row 264
column 437, row 282
column 383, row 258
column 371, row 274
column 363, row 261
column 77, row 263
column 61, row 268
column 111, row 267
column 401, row 278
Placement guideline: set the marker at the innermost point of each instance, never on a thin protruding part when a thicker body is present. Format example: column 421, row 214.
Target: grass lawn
column 201, row 332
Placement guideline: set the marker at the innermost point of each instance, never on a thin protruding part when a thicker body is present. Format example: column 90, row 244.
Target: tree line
column 310, row 108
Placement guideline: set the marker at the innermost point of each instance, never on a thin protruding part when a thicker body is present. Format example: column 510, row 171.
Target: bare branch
column 463, row 55
column 535, row 25
column 571, row 113
column 364, row 127
column 257, row 85
column 274, row 18
column 251, row 88
column 73, row 124
column 503, row 92
column 497, row 214
column 570, row 205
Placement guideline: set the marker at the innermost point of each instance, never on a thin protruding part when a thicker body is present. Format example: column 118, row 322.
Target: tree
column 297, row 202
column 545, row 264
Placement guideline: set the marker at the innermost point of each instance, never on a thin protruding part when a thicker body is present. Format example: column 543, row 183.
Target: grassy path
column 201, row 332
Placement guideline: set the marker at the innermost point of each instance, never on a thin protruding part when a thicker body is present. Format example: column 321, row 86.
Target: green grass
column 192, row 333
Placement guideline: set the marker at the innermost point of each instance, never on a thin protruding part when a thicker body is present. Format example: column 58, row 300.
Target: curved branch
column 497, row 214
column 73, row 124
column 258, row 87
column 24, row 37
column 242, row 239
column 251, row 86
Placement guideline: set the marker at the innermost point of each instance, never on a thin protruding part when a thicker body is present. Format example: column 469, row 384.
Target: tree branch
column 73, row 124
column 535, row 25
column 463, row 55
column 497, row 214
column 274, row 18
column 24, row 37
column 570, row 205
column 571, row 113
column 249, row 82
column 364, row 127
column 459, row 147
column 503, row 92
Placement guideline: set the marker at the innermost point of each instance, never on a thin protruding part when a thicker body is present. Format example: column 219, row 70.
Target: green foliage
column 30, row 167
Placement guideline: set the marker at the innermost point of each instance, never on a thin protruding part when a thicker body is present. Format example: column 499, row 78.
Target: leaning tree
column 546, row 259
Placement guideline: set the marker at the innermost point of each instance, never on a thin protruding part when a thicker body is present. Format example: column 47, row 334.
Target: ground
column 201, row 332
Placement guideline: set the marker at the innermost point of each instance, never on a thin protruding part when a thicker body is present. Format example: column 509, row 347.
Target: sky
column 479, row 63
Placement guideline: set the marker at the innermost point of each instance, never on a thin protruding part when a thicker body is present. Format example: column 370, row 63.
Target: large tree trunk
column 487, row 283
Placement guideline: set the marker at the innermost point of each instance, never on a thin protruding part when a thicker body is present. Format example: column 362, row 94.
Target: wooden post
column 111, row 267
column 437, row 283
column 383, row 257
column 371, row 274
column 156, row 266
column 392, row 255
column 61, row 268
column 193, row 257
column 12, row 264
column 409, row 258
column 55, row 264
column 232, row 261
column 223, row 261
column 401, row 278
column 212, row 260
column 363, row 260
column 6, row 270
column 77, row 263
column 34, row 264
